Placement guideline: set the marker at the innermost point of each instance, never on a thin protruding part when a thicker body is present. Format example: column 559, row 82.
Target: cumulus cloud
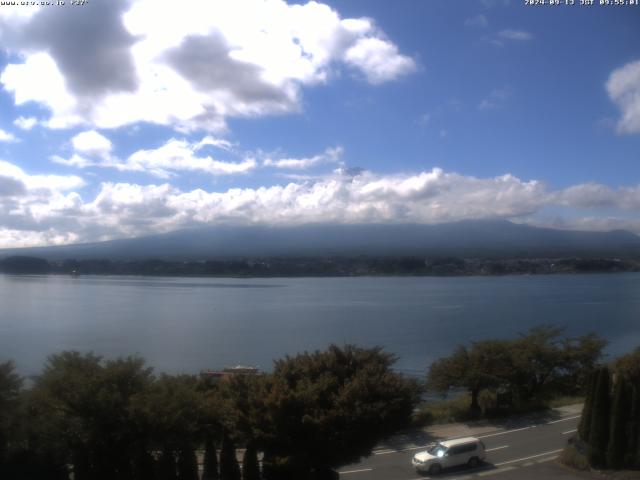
column 94, row 150
column 25, row 123
column 495, row 99
column 623, row 88
column 116, row 63
column 345, row 196
column 330, row 155
column 479, row 21
column 517, row 35
column 7, row 137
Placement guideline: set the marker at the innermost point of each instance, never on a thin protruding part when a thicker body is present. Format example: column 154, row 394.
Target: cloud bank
column 37, row 209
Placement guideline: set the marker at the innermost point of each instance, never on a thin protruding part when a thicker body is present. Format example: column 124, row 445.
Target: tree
column 170, row 413
column 327, row 409
column 187, row 464
column 532, row 366
column 632, row 453
column 599, row 431
column 87, row 403
column 629, row 366
column 210, row 470
column 618, row 423
column 587, row 410
column 487, row 364
column 229, row 468
column 250, row 466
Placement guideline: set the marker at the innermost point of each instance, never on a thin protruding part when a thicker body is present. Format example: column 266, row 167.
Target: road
column 523, row 451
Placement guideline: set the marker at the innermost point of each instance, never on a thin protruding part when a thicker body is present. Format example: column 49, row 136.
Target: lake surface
column 186, row 324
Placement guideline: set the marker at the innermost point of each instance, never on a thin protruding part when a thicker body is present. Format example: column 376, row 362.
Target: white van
column 450, row 453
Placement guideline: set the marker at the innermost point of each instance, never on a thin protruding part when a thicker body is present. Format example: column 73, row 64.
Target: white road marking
column 506, row 431
column 563, row 419
column 496, row 448
column 570, row 431
column 387, row 452
column 356, row 471
column 528, row 458
column 497, row 470
column 548, row 459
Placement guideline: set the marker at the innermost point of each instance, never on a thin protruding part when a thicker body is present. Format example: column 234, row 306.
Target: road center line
column 356, row 471
column 570, row 431
column 528, row 458
column 496, row 448
column 497, row 470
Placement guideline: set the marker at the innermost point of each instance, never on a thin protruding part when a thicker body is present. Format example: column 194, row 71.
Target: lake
column 187, row 324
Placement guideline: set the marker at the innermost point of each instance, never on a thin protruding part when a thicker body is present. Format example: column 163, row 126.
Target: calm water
column 184, row 325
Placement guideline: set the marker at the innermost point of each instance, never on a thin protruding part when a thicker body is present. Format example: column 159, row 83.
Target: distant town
column 320, row 266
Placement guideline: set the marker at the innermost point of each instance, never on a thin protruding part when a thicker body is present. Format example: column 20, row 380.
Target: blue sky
column 131, row 117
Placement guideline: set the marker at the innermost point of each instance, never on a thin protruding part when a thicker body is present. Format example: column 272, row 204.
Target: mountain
column 485, row 238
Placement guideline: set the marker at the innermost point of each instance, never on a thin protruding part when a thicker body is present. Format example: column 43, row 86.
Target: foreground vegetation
column 609, row 431
column 114, row 419
column 517, row 375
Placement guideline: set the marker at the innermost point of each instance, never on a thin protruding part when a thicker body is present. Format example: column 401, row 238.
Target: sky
column 123, row 118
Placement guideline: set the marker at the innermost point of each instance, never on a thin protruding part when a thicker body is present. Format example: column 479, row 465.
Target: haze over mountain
column 466, row 238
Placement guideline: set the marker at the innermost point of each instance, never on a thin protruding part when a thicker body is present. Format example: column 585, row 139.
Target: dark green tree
column 250, row 466
column 587, row 410
column 229, row 468
column 618, row 423
column 632, row 452
column 629, row 366
column 10, row 386
column 486, row 364
column 170, row 412
column 210, row 471
column 599, row 431
column 187, row 464
column 330, row 408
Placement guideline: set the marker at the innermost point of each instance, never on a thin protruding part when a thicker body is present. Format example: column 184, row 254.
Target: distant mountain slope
column 465, row 238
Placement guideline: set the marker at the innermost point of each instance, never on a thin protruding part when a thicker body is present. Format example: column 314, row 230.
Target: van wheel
column 435, row 469
column 473, row 462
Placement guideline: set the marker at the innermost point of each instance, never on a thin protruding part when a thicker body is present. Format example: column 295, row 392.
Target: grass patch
column 563, row 401
column 575, row 457
column 444, row 411
column 457, row 409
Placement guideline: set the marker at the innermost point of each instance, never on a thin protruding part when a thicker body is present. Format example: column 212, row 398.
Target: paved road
column 520, row 452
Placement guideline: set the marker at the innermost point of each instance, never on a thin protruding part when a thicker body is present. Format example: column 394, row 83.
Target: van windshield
column 437, row 450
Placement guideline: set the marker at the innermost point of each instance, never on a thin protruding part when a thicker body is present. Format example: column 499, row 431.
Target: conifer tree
column 585, row 420
column 618, row 424
column 229, row 468
column 210, row 460
column 632, row 453
column 599, row 432
column 250, row 466
column 187, row 464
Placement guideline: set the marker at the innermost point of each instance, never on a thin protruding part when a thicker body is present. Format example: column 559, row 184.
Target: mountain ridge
column 481, row 238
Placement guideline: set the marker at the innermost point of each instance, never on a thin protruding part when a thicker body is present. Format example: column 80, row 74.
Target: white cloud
column 94, row 150
column 379, row 60
column 623, row 88
column 7, row 136
column 518, row 35
column 330, row 155
column 40, row 183
column 496, row 99
column 189, row 68
column 25, row 123
column 479, row 21
column 346, row 196
column 180, row 155
column 92, row 143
